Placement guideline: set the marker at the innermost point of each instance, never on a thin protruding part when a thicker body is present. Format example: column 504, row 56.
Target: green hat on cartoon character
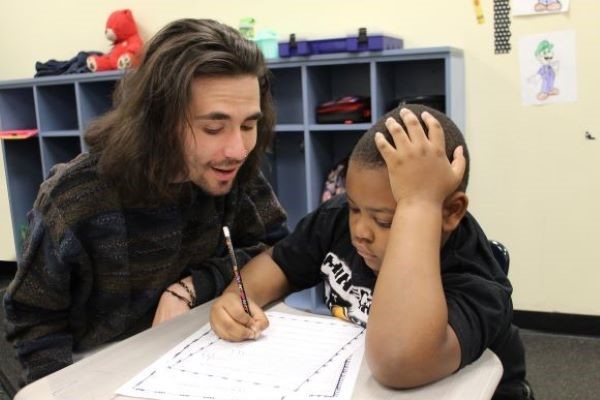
column 543, row 47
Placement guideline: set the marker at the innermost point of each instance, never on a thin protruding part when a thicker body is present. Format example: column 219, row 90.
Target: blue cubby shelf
column 23, row 168
column 283, row 128
column 61, row 133
column 302, row 152
column 361, row 127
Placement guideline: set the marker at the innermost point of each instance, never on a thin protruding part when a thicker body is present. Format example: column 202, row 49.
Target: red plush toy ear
column 91, row 63
column 123, row 25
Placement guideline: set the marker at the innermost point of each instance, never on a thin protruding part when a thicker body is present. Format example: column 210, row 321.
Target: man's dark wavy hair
column 140, row 140
column 366, row 153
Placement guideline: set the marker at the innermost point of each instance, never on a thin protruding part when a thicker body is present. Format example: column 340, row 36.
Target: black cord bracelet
column 187, row 289
column 180, row 297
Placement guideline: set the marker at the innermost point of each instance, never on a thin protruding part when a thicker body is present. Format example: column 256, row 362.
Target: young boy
column 377, row 248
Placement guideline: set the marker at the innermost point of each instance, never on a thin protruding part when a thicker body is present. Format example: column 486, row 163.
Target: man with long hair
column 129, row 234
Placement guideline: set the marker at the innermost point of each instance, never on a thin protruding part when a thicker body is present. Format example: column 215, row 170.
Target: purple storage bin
column 300, row 48
column 339, row 45
column 374, row 43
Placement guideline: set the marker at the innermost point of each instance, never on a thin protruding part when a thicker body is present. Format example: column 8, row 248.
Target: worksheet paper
column 297, row 357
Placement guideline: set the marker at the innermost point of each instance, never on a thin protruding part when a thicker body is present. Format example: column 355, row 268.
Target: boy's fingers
column 383, row 146
column 435, row 130
column 459, row 163
column 414, row 129
column 260, row 322
column 239, row 315
column 398, row 134
column 229, row 320
column 259, row 325
column 228, row 328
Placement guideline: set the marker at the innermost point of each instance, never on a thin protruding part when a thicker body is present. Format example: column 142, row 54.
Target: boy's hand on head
column 418, row 167
column 230, row 322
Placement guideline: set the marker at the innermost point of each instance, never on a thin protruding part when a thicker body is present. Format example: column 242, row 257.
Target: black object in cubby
column 436, row 101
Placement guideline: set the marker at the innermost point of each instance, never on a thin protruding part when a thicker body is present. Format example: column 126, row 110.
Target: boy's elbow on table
column 395, row 371
column 404, row 369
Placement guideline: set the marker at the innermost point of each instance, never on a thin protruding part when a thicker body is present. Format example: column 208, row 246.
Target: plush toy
column 122, row 31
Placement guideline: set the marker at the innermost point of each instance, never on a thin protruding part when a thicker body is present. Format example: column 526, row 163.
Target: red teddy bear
column 122, row 31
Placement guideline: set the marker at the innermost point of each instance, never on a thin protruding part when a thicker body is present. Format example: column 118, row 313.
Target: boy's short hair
column 366, row 153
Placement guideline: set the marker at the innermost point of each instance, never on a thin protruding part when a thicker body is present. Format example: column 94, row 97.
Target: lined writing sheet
column 298, row 356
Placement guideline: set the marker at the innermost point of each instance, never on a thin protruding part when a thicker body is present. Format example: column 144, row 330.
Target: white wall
column 534, row 182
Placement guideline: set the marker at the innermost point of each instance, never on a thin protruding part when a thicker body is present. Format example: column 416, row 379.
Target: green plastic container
column 266, row 40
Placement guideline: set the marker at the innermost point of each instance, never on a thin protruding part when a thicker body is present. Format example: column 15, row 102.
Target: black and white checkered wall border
column 501, row 26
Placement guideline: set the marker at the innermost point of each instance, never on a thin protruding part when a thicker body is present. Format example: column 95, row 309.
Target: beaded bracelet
column 180, row 297
column 187, row 289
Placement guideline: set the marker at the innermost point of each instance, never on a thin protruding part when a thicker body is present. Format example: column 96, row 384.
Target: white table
column 98, row 376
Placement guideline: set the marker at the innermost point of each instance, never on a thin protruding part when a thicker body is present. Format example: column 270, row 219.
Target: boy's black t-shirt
column 476, row 288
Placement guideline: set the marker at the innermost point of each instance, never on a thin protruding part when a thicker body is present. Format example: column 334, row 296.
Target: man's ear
column 454, row 209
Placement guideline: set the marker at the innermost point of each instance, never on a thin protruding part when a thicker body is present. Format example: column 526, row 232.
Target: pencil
column 236, row 271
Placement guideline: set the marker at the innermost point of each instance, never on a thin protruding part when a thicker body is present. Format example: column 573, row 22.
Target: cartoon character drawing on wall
column 548, row 70
column 547, row 5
